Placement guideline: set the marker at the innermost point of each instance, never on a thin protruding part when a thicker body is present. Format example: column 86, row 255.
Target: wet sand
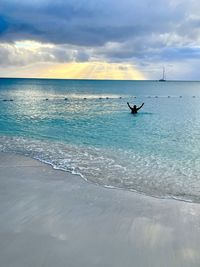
column 53, row 218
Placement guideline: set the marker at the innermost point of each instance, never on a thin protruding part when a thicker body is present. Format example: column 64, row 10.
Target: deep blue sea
column 85, row 127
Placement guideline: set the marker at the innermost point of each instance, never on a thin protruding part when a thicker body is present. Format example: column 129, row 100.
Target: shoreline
column 102, row 185
column 54, row 218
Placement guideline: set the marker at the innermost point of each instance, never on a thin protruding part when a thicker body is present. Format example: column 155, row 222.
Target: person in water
column 135, row 109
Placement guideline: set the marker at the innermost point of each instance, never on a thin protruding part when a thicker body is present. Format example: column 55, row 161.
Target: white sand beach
column 53, row 218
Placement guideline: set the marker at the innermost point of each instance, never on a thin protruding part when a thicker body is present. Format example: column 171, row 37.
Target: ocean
column 85, row 127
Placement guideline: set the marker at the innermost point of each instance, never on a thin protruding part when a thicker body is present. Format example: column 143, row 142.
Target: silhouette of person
column 135, row 109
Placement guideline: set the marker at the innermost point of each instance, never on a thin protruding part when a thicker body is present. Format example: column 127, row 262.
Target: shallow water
column 86, row 127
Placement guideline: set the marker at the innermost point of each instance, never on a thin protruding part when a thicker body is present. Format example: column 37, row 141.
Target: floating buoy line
column 108, row 98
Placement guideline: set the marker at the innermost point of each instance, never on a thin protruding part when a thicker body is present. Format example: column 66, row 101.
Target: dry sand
column 52, row 218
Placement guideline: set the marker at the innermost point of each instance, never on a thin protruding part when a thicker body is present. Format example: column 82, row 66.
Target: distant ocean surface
column 86, row 127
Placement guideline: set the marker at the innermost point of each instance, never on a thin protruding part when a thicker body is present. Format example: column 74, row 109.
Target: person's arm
column 140, row 106
column 129, row 106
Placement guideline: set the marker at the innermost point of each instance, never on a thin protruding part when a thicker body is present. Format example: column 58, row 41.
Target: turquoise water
column 85, row 127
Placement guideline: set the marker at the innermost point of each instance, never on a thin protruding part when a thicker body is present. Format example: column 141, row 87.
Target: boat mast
column 163, row 73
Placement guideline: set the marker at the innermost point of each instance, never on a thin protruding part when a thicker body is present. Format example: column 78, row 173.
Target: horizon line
column 91, row 79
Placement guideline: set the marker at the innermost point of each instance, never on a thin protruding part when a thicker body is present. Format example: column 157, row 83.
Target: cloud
column 136, row 32
column 87, row 23
column 23, row 53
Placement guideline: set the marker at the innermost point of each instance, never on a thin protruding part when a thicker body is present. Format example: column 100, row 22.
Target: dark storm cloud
column 48, row 21
column 90, row 23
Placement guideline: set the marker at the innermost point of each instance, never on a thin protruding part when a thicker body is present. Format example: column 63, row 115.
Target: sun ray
column 83, row 70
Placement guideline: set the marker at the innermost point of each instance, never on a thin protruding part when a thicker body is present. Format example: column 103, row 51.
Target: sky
column 100, row 39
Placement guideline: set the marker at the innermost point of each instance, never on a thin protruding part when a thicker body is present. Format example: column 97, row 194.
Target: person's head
column 134, row 106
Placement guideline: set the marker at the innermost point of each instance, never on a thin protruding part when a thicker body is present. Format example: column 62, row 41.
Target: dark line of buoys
column 5, row 100
column 66, row 99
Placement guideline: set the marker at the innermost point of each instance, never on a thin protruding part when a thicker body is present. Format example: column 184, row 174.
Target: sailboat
column 163, row 77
